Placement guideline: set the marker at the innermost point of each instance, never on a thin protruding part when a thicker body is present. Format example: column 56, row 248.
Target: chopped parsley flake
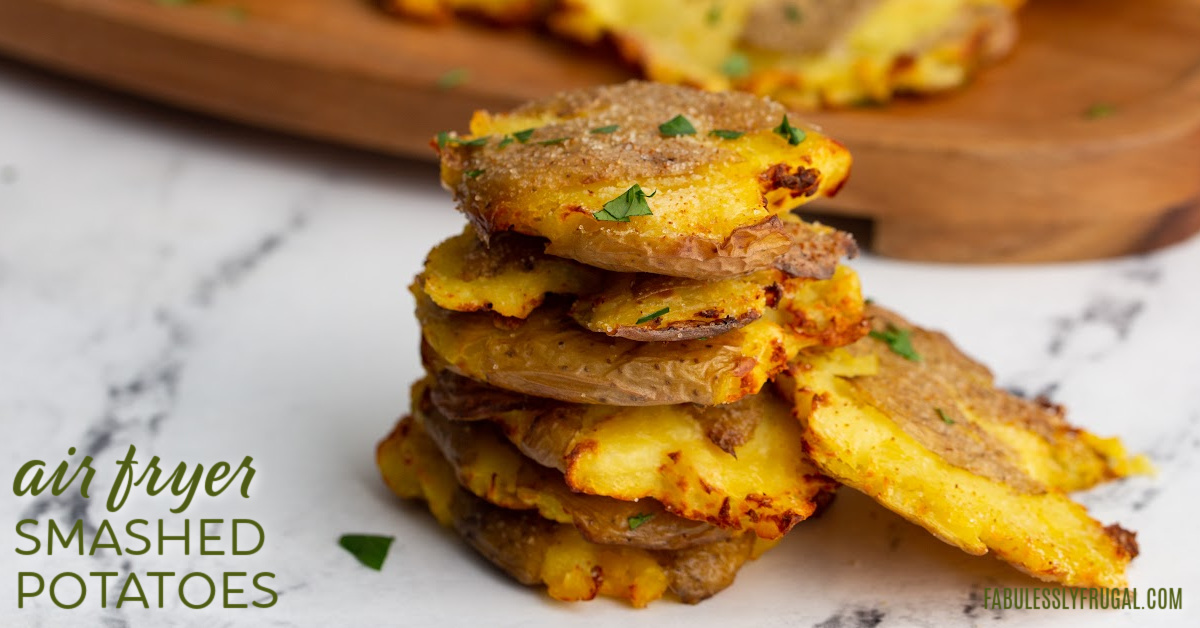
column 453, row 78
column 942, row 415
column 676, row 126
column 792, row 13
column 637, row 520
column 899, row 341
column 726, row 134
column 557, row 140
column 790, row 133
column 444, row 140
column 369, row 549
column 736, row 65
column 713, row 17
column 631, row 203
column 508, row 139
column 471, row 174
column 605, row 130
column 1099, row 110
column 523, row 136
column 653, row 315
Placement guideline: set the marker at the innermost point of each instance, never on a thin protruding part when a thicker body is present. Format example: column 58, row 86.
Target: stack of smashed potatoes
column 643, row 370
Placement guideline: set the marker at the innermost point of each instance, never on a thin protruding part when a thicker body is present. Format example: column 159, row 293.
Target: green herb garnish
column 605, row 130
column 523, row 136
column 651, row 316
column 637, row 520
column 471, row 174
column 1099, row 110
column 790, row 133
column 557, row 140
column 676, row 126
column 713, row 17
column 945, row 419
column 736, row 65
column 453, row 78
column 369, row 549
column 479, row 141
column 505, row 141
column 444, row 140
column 631, row 203
column 899, row 341
column 792, row 13
column 726, row 134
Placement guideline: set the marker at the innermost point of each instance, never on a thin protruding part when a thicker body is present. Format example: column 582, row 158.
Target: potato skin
column 715, row 202
column 490, row 467
column 535, row 551
column 738, row 467
column 934, row 441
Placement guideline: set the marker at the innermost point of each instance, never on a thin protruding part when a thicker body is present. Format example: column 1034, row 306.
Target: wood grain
column 1010, row 169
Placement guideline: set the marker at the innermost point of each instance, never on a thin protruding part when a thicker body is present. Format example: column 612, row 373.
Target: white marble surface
column 206, row 292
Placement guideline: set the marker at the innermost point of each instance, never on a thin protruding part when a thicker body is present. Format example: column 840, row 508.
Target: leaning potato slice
column 490, row 467
column 547, row 355
column 510, row 276
column 632, row 177
column 910, row 421
column 535, row 551
column 758, row 479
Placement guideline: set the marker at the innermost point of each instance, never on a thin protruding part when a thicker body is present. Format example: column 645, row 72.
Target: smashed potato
column 694, row 461
column 510, row 276
column 912, row 422
column 490, row 467
column 547, row 355
column 632, row 178
column 805, row 53
column 534, row 550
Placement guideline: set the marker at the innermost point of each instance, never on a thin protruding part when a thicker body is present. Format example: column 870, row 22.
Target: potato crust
column 758, row 480
column 535, row 551
column 490, row 467
column 547, row 355
column 715, row 202
column 936, row 442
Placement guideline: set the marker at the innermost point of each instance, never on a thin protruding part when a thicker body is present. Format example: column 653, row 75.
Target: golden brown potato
column 611, row 178
column 487, row 465
column 699, row 465
column 536, row 551
column 909, row 420
column 498, row 11
column 547, row 355
column 510, row 276
column 805, row 53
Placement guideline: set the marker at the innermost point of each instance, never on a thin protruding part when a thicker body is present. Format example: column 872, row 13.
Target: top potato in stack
column 596, row 415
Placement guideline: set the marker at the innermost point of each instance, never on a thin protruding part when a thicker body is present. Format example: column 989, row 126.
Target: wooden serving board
column 1010, row 169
